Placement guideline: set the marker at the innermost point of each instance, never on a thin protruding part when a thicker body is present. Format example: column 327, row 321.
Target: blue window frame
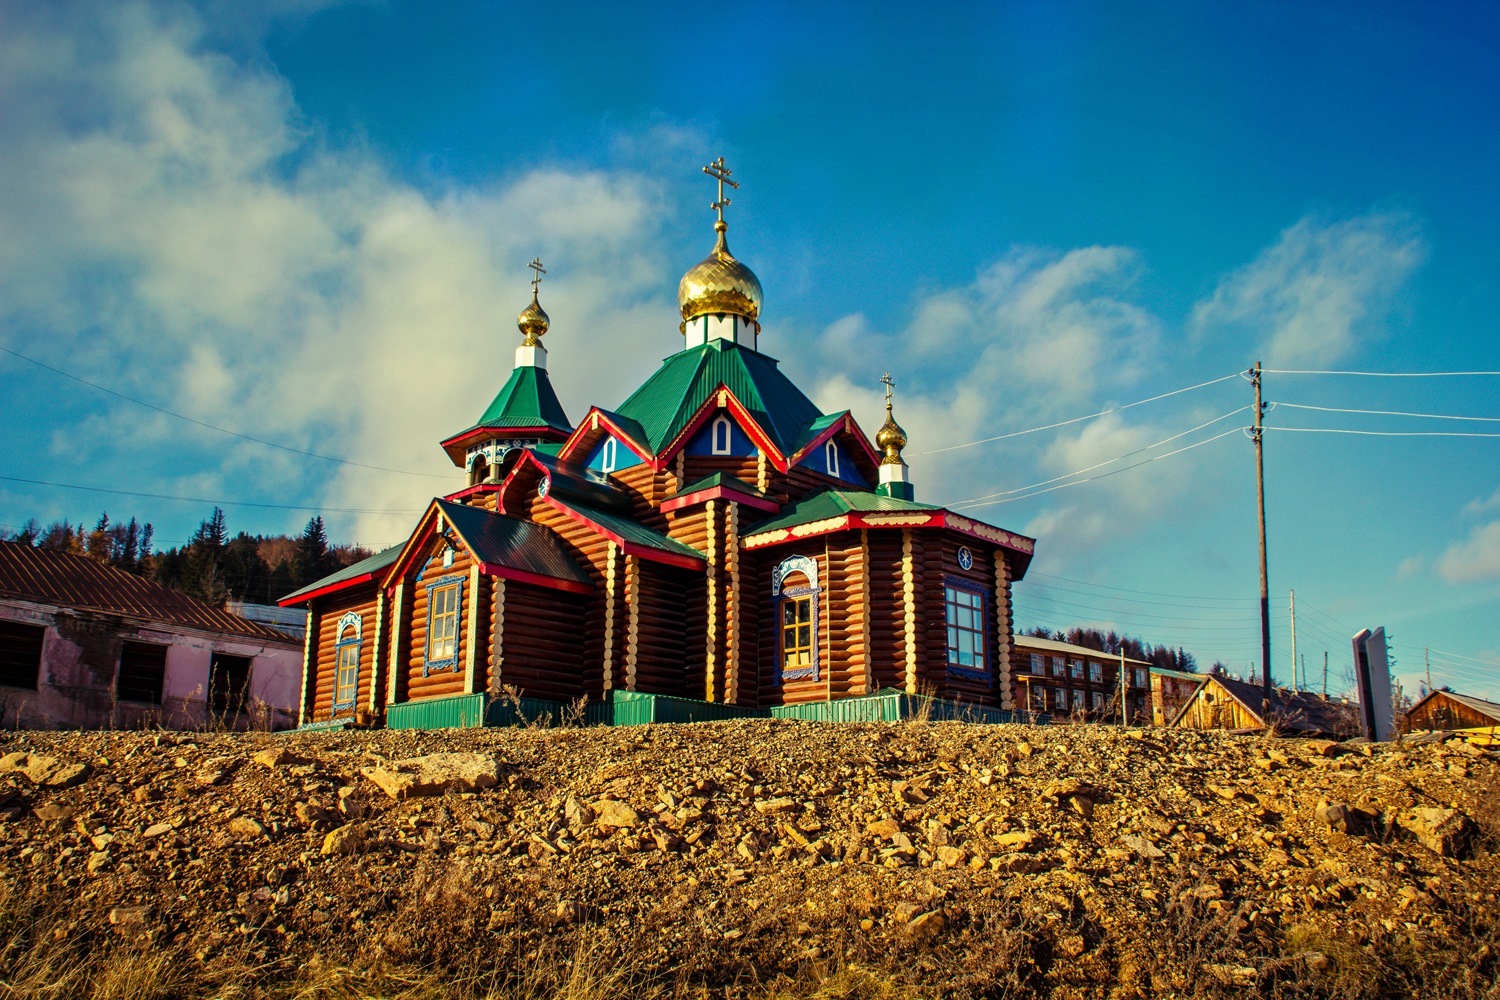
column 445, row 598
column 346, row 662
column 796, row 619
column 968, row 629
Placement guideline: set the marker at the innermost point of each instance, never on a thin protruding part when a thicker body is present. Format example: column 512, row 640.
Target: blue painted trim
column 978, row 590
column 354, row 621
column 429, row 665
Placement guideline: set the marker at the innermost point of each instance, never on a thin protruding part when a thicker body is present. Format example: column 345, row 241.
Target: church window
column 794, row 585
column 608, row 454
column 831, row 457
column 965, row 618
column 443, row 599
column 346, row 662
column 721, row 435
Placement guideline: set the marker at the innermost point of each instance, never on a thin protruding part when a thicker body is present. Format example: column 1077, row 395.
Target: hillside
column 746, row 859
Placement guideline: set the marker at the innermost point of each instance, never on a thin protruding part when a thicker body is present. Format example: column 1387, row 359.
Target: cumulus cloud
column 1480, row 505
column 1310, row 297
column 1476, row 559
column 173, row 229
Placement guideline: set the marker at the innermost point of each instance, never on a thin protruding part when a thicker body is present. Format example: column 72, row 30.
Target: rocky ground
column 748, row 858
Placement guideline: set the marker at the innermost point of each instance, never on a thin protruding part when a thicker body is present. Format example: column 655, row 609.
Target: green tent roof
column 663, row 406
column 526, row 400
column 834, row 503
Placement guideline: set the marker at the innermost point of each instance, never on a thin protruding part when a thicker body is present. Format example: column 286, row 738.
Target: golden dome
column 719, row 284
column 890, row 439
column 533, row 322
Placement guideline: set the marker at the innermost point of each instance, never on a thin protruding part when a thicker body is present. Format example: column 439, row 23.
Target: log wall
column 981, row 576
column 363, row 601
column 542, row 640
column 1442, row 712
column 594, row 553
column 447, row 681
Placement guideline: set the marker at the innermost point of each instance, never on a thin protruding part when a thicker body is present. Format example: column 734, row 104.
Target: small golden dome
column 890, row 439
column 719, row 284
column 533, row 322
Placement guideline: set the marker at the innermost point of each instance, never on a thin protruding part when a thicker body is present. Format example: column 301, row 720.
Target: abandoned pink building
column 85, row 645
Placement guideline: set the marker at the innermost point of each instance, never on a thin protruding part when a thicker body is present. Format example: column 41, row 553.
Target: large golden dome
column 533, row 322
column 890, row 439
column 719, row 284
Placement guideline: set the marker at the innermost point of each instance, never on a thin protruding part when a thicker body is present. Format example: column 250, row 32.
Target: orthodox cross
column 889, row 385
column 721, row 173
column 536, row 279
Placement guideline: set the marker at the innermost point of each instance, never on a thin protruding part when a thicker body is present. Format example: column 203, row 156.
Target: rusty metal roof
column 43, row 576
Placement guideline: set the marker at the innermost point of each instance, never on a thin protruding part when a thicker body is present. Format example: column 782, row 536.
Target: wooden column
column 378, row 649
column 471, row 629
column 1004, row 641
column 711, row 633
column 732, row 635
column 400, row 630
column 309, row 664
column 909, row 609
column 632, row 617
column 866, row 661
column 497, row 636
column 611, row 589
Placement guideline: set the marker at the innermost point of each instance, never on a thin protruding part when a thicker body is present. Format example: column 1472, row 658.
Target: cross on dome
column 719, row 172
column 890, row 384
column 536, row 279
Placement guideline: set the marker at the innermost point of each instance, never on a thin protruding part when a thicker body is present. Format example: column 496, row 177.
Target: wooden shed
column 1233, row 705
column 1445, row 710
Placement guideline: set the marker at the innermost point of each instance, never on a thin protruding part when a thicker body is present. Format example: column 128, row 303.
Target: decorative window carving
column 797, row 618
column 963, row 611
column 831, row 457
column 444, row 599
column 721, row 435
column 346, row 662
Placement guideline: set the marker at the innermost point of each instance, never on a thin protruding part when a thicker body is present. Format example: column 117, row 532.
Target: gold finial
column 533, row 320
column 720, row 173
column 890, row 438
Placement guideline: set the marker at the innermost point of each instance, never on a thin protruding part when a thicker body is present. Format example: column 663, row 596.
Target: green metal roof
column 720, row 479
column 374, row 564
column 526, row 400
column 508, row 541
column 685, row 381
column 835, row 503
column 630, row 531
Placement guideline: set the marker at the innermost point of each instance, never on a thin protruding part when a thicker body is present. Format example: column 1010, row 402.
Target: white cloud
column 1475, row 559
column 1311, row 297
column 1481, row 505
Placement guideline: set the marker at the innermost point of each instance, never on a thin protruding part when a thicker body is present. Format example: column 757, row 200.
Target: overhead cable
column 214, row 427
column 217, row 503
column 1299, row 371
column 1387, row 413
column 1149, row 593
column 1346, row 430
column 1075, row 420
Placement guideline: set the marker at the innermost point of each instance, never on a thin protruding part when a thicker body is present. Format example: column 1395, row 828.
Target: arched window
column 480, row 471
column 346, row 662
column 831, row 457
column 607, row 455
column 721, row 435
column 794, row 584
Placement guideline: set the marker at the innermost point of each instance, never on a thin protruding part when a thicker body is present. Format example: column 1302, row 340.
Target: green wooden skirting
column 634, row 708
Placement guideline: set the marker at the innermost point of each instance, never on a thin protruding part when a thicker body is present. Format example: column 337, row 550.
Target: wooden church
column 714, row 537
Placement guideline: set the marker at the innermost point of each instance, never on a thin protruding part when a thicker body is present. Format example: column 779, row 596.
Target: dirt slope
column 758, row 856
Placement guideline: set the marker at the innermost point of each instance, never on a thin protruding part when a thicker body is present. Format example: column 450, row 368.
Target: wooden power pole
column 1260, row 500
column 1294, row 640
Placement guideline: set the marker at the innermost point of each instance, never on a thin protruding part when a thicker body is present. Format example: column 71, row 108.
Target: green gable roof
column 834, row 503
column 663, row 406
column 372, row 565
column 719, row 479
column 513, row 543
column 630, row 532
column 526, row 400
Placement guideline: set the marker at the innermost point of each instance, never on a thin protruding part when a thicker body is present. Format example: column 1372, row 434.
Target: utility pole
column 1325, row 675
column 1123, row 718
column 1427, row 662
column 1260, row 500
column 1294, row 640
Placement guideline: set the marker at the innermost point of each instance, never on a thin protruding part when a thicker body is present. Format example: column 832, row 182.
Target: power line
column 1074, row 420
column 1488, row 663
column 1106, row 475
column 1344, row 430
column 218, row 503
column 1150, row 593
column 1128, row 600
column 1385, row 413
column 213, row 427
column 1297, row 371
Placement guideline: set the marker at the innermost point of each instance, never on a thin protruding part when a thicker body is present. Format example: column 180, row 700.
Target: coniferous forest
column 212, row 566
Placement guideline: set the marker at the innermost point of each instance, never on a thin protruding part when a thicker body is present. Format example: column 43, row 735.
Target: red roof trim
column 522, row 576
column 846, row 425
column 489, row 431
column 887, row 520
column 629, row 548
column 469, row 491
column 586, row 426
column 332, row 588
column 423, row 532
column 719, row 493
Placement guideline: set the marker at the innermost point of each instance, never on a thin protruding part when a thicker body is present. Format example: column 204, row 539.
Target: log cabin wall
column 593, row 552
column 647, row 487
column 445, row 681
column 887, row 610
column 690, row 526
column 659, row 596
column 847, row 639
column 931, row 666
column 362, row 601
column 798, row 481
column 1213, row 708
column 539, row 645
column 1003, row 615
column 981, row 578
column 696, row 467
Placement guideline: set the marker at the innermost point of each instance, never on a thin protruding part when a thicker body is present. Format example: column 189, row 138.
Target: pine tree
column 312, row 561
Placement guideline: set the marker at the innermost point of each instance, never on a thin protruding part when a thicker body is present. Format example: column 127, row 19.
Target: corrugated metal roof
column 576, row 481
column 685, row 381
column 835, row 503
column 719, row 479
column 526, row 400
column 374, row 564
column 43, row 576
column 508, row 541
column 1053, row 646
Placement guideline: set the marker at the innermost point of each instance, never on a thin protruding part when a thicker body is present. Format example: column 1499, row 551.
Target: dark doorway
column 228, row 684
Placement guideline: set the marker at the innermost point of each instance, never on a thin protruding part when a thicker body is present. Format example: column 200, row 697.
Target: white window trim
column 721, row 421
column 831, row 457
column 608, row 454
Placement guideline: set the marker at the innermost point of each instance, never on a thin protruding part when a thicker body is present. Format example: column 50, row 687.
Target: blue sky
column 309, row 224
